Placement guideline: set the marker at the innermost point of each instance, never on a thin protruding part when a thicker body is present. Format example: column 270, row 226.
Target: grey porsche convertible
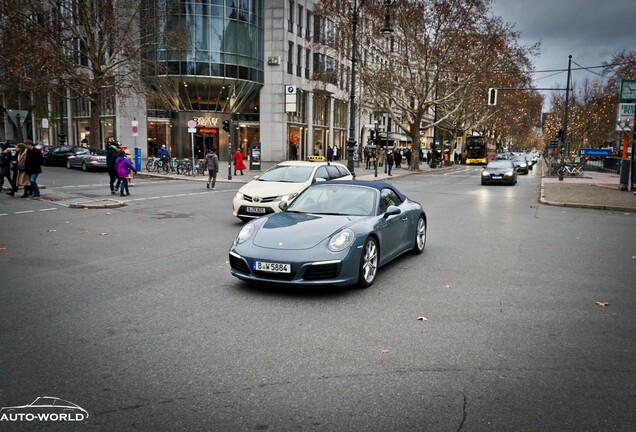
column 334, row 233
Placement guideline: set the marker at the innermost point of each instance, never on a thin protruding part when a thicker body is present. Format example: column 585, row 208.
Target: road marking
column 4, row 214
column 48, row 209
column 25, row 211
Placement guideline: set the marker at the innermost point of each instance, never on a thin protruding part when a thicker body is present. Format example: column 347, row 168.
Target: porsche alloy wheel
column 420, row 236
column 368, row 263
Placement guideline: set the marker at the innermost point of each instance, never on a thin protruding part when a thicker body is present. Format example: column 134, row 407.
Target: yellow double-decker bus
column 480, row 150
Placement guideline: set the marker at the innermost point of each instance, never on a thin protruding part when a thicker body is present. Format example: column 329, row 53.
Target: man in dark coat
column 33, row 166
column 111, row 156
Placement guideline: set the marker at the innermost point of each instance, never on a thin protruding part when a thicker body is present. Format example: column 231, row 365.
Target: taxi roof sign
column 316, row 159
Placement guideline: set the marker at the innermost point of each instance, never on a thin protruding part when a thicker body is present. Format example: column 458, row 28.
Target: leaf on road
column 103, row 233
column 52, row 230
column 383, row 351
column 447, row 286
column 422, row 318
column 602, row 303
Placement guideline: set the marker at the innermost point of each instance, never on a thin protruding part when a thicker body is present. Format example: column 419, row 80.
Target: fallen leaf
column 103, row 233
column 447, row 286
column 602, row 303
column 422, row 318
column 52, row 230
column 384, row 351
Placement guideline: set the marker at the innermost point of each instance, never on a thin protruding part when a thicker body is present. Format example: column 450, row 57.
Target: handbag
column 20, row 167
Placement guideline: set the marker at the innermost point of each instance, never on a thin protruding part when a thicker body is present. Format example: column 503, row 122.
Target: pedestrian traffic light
column 226, row 125
column 492, row 96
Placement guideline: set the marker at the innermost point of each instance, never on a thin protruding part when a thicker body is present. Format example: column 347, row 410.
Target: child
column 123, row 167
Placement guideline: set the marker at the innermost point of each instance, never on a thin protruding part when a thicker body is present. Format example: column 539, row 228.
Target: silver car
column 87, row 159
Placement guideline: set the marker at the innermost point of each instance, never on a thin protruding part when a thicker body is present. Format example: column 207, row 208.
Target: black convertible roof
column 372, row 184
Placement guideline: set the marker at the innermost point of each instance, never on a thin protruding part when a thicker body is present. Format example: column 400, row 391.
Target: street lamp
column 355, row 15
column 387, row 32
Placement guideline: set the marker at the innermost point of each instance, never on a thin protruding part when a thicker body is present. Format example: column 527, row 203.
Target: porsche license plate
column 255, row 210
column 271, row 267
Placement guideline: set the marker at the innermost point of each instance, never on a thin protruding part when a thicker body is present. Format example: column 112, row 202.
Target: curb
column 98, row 204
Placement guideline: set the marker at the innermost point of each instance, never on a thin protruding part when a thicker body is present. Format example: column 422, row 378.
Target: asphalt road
column 132, row 314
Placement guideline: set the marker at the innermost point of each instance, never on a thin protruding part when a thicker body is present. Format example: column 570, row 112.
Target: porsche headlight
column 288, row 197
column 341, row 240
column 245, row 233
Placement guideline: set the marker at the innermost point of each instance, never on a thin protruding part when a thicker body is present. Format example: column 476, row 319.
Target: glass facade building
column 205, row 60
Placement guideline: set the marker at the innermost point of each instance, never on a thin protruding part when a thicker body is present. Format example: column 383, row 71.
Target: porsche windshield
column 287, row 173
column 336, row 200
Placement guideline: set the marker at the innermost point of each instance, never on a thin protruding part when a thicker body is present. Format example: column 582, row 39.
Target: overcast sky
column 592, row 31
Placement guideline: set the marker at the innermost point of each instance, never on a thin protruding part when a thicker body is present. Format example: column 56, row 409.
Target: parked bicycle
column 153, row 164
column 569, row 170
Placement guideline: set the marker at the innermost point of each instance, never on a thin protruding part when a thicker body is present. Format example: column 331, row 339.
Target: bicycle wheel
column 561, row 172
column 181, row 168
column 151, row 166
column 165, row 168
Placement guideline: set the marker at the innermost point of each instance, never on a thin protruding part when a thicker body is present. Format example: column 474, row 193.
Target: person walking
column 238, row 161
column 111, row 156
column 21, row 176
column 389, row 162
column 33, row 167
column 212, row 165
column 124, row 167
column 329, row 154
column 5, row 168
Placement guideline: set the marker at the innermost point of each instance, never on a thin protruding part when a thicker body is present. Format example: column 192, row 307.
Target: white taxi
column 282, row 182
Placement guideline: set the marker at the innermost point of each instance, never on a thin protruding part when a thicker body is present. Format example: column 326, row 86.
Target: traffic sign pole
column 192, row 128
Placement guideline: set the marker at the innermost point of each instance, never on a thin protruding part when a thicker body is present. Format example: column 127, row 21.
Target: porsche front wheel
column 420, row 236
column 368, row 263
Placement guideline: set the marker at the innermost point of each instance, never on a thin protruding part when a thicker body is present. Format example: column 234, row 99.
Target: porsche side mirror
column 392, row 210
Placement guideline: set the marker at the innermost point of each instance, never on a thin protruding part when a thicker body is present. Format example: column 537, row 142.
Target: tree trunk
column 94, row 139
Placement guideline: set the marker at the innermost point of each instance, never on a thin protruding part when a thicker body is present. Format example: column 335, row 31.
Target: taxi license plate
column 497, row 177
column 271, row 267
column 255, row 210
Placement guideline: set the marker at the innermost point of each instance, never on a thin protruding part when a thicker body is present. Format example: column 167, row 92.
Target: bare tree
column 435, row 69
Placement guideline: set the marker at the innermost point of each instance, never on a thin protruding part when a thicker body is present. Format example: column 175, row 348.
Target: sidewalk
column 595, row 190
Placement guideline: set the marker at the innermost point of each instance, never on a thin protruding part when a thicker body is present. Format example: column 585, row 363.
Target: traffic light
column 560, row 134
column 372, row 135
column 492, row 96
column 227, row 124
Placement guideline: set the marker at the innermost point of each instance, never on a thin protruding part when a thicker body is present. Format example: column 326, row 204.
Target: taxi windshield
column 287, row 173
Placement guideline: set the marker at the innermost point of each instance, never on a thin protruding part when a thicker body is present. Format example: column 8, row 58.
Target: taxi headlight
column 289, row 197
column 341, row 240
column 245, row 233
column 239, row 196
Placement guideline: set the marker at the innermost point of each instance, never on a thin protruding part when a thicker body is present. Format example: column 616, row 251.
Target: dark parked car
column 499, row 171
column 86, row 159
column 58, row 155
column 334, row 233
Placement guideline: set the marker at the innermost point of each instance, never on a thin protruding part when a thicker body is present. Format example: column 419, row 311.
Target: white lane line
column 25, row 211
column 154, row 198
column 181, row 195
column 167, row 196
column 48, row 209
column 4, row 214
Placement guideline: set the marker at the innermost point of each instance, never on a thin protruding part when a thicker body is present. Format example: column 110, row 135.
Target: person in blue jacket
column 123, row 167
column 163, row 153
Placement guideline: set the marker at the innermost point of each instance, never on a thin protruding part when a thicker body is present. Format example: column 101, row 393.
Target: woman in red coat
column 238, row 161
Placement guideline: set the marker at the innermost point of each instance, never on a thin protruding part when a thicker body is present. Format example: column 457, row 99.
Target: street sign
column 626, row 112
column 628, row 91
column 596, row 152
column 135, row 128
column 192, row 126
column 290, row 98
